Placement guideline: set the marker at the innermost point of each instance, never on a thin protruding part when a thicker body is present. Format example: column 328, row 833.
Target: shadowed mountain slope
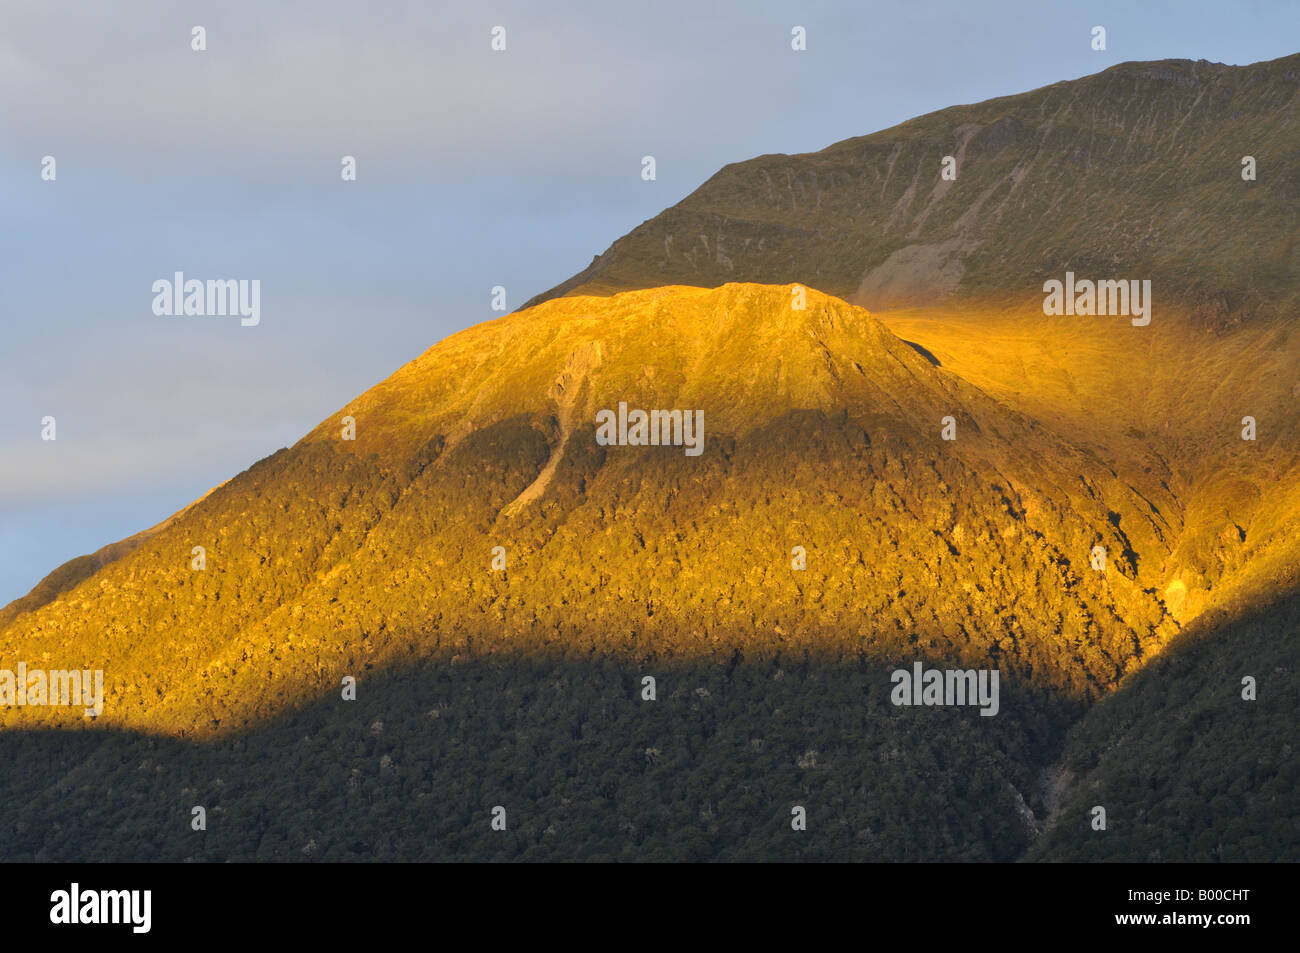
column 585, row 768
column 1135, row 172
column 1187, row 767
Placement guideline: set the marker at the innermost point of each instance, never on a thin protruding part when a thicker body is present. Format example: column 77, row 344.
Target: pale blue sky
column 475, row 169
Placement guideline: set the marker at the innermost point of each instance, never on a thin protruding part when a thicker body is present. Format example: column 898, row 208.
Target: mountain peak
column 742, row 351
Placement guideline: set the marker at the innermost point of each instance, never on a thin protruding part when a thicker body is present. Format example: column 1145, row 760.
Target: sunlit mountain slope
column 822, row 430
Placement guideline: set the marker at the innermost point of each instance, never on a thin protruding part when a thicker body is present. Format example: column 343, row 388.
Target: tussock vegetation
column 1132, row 172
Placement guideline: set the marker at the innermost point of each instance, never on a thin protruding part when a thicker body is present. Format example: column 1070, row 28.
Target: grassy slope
column 1134, row 172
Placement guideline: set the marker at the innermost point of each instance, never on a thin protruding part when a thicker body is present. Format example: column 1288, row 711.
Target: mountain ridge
column 1067, row 171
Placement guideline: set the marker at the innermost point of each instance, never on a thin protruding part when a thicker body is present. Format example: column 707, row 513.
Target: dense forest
column 1186, row 767
column 586, row 768
column 711, row 769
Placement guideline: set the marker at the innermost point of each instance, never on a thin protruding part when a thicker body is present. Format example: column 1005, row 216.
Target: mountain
column 926, row 482
column 1132, row 173
column 1135, row 172
column 372, row 557
column 821, row 429
column 74, row 571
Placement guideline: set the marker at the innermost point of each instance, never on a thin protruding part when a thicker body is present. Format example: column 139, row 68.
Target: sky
column 475, row 167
